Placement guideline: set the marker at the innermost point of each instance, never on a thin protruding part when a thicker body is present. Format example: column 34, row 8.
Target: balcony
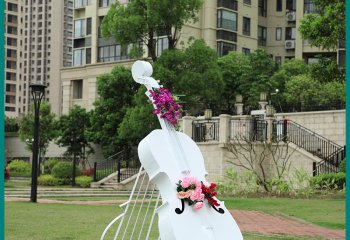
column 227, row 4
column 226, row 35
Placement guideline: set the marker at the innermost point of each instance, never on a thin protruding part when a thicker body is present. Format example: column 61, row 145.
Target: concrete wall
column 15, row 148
column 329, row 124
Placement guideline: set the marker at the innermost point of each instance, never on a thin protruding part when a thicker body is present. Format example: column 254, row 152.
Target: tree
column 234, row 68
column 72, row 128
column 47, row 128
column 326, row 27
column 144, row 20
column 72, row 132
column 192, row 72
column 115, row 90
column 327, row 70
column 138, row 121
column 267, row 161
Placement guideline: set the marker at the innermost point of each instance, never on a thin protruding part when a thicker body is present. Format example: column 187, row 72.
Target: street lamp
column 37, row 91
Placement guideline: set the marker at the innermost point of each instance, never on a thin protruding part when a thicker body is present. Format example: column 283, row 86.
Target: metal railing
column 205, row 130
column 126, row 163
column 330, row 152
column 248, row 130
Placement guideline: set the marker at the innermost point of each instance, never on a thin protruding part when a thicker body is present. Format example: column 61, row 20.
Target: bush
column 342, row 166
column 63, row 170
column 329, row 181
column 49, row 180
column 87, row 171
column 20, row 168
column 83, row 181
column 49, row 164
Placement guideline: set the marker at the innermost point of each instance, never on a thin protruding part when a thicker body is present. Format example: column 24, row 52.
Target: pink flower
column 198, row 205
column 186, row 182
column 197, row 196
column 182, row 195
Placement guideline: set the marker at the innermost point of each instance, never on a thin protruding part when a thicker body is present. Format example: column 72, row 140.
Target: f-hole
column 180, row 211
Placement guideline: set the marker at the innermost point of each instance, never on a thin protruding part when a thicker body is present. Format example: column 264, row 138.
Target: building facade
column 225, row 25
column 38, row 44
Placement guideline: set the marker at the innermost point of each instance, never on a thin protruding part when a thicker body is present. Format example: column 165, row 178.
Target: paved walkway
column 248, row 221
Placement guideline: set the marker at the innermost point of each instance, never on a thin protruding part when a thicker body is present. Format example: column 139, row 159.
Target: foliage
column 49, row 180
column 116, row 91
column 185, row 72
column 308, row 90
column 329, row 181
column 83, row 181
column 63, row 170
column 326, row 27
column 19, row 168
column 327, row 70
column 49, row 164
column 342, row 166
column 72, row 132
column 138, row 120
column 144, row 20
column 234, row 68
column 47, row 127
column 11, row 124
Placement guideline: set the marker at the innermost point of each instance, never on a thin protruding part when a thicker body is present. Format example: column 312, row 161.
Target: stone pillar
column 262, row 105
column 187, row 125
column 269, row 130
column 239, row 108
column 224, row 129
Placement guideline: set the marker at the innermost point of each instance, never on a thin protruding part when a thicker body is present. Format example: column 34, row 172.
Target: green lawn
column 28, row 221
column 328, row 213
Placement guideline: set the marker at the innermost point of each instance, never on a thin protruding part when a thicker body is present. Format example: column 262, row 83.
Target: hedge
column 83, row 181
column 63, row 170
column 19, row 168
column 329, row 181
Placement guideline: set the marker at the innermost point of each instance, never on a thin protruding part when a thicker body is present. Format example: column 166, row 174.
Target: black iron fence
column 248, row 130
column 205, row 130
column 126, row 163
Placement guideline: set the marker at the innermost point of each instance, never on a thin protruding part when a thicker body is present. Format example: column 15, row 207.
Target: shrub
column 20, row 168
column 63, row 170
column 87, row 171
column 329, row 181
column 49, row 164
column 48, row 180
column 83, row 181
column 342, row 166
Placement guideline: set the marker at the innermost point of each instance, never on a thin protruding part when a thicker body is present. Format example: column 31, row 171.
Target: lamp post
column 37, row 91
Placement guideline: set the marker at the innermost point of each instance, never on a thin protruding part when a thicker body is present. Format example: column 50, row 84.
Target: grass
column 329, row 213
column 19, row 184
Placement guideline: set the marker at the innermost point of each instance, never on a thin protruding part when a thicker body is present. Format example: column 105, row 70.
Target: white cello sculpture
column 168, row 155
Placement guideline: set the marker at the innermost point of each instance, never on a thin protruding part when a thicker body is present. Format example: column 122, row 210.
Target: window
column 278, row 60
column 11, row 109
column 106, row 3
column 291, row 5
column 81, row 56
column 12, row 7
column 11, row 64
column 290, row 33
column 227, row 20
column 112, row 53
column 245, row 51
column 226, row 35
column 11, row 30
column 309, row 7
column 77, row 89
column 10, row 88
column 261, row 36
column 230, row 4
column 248, row 2
column 278, row 5
column 246, row 26
column 88, row 26
column 262, row 8
column 224, row 48
column 162, row 44
column 278, row 34
column 11, row 41
column 81, row 3
column 10, row 99
column 79, row 28
column 11, row 76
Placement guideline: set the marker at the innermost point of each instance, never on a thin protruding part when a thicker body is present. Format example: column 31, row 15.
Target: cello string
column 140, row 208
column 153, row 215
column 133, row 208
column 146, row 214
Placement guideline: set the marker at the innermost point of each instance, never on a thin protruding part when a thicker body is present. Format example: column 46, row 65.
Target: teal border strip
column 347, row 59
column 2, row 137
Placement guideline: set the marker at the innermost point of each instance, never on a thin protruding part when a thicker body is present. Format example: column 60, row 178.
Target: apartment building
column 225, row 25
column 38, row 43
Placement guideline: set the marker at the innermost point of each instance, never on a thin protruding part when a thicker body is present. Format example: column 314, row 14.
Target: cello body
column 166, row 156
column 157, row 156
